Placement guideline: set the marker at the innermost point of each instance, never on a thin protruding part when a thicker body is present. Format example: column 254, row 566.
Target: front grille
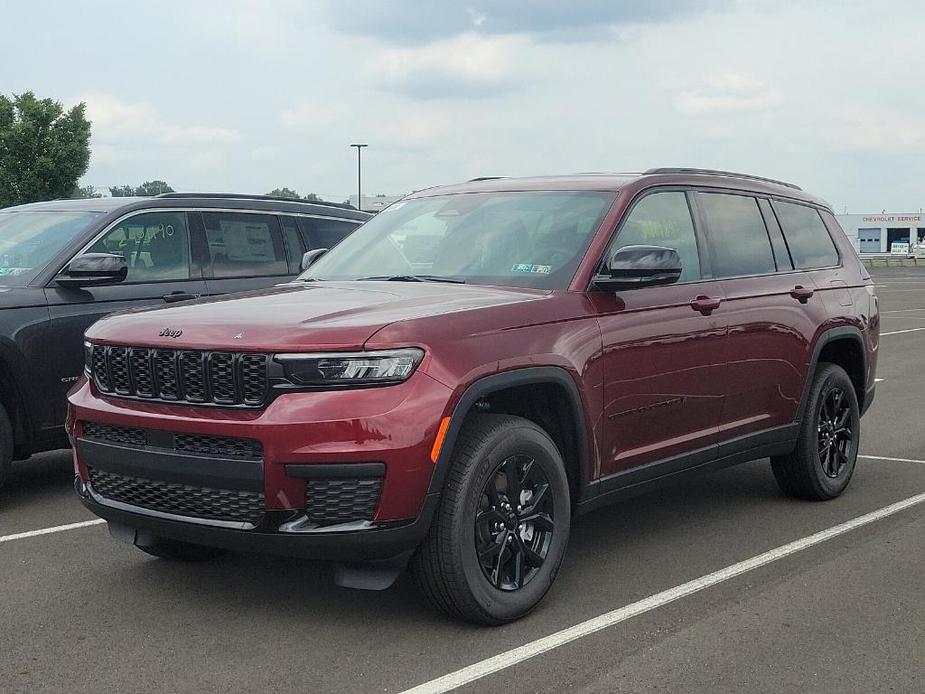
column 218, row 378
column 180, row 499
column 128, row 436
column 342, row 500
column 224, row 446
column 198, row 444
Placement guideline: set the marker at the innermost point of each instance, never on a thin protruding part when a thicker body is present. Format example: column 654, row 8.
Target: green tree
column 86, row 192
column 146, row 188
column 121, row 191
column 44, row 150
column 285, row 193
column 153, row 188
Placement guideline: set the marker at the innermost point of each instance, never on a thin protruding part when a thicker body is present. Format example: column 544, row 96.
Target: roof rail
column 485, row 178
column 249, row 196
column 712, row 172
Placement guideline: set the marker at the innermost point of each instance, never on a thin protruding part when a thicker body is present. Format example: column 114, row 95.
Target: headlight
column 88, row 357
column 350, row 368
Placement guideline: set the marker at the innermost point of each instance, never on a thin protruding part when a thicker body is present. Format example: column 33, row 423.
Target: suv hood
column 298, row 316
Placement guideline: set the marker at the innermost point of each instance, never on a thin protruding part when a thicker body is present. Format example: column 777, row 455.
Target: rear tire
column 174, row 550
column 494, row 548
column 6, row 446
column 821, row 465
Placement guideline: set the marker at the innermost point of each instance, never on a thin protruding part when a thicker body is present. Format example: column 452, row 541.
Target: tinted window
column 155, row 245
column 326, row 233
column 292, row 240
column 781, row 254
column 662, row 219
column 808, row 239
column 244, row 245
column 739, row 241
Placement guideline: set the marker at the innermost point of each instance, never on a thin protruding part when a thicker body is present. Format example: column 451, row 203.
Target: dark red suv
column 477, row 364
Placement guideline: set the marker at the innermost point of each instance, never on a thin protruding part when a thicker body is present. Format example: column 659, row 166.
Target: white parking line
column 900, row 332
column 609, row 619
column 898, row 460
column 49, row 531
column 903, row 310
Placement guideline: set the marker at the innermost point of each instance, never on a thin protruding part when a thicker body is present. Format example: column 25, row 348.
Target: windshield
column 520, row 239
column 28, row 240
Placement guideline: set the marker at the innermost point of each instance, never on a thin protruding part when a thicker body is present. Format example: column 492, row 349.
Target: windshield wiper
column 413, row 278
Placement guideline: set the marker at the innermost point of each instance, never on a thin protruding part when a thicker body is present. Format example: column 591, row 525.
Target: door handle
column 178, row 296
column 801, row 293
column 705, row 304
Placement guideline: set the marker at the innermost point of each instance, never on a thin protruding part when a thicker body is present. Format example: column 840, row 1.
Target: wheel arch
column 843, row 346
column 489, row 388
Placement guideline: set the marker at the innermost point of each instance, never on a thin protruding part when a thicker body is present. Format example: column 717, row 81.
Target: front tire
column 821, row 465
column 499, row 535
column 174, row 550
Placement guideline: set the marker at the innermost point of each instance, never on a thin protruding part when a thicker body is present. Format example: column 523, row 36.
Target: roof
column 614, row 182
column 76, row 205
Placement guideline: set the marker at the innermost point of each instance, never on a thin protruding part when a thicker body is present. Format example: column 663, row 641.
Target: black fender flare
column 508, row 379
column 830, row 335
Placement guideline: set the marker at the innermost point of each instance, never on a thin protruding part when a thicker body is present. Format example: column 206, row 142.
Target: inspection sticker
column 533, row 269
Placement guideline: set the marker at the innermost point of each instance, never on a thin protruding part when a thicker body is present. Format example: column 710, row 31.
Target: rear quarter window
column 807, row 237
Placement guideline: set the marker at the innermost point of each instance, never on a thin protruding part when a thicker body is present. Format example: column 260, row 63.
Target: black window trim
column 696, row 222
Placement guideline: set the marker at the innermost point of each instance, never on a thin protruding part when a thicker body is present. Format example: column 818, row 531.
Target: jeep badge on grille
column 170, row 332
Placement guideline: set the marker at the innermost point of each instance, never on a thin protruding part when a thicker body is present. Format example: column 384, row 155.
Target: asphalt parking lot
column 839, row 613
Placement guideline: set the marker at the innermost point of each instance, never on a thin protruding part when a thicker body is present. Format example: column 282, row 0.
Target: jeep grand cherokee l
column 477, row 364
column 66, row 263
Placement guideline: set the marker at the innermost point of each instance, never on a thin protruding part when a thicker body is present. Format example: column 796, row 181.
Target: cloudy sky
column 246, row 96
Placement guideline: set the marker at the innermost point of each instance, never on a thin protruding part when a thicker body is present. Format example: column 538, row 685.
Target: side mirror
column 311, row 256
column 92, row 269
column 640, row 266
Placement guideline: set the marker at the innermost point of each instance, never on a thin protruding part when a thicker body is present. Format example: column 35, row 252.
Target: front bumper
column 310, row 450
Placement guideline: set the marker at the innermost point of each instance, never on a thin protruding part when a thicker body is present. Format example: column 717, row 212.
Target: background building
column 876, row 233
column 374, row 203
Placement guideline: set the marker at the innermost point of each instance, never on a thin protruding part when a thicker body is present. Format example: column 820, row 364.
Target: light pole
column 359, row 175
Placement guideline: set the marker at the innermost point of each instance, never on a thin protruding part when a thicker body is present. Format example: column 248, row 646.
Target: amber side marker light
column 438, row 442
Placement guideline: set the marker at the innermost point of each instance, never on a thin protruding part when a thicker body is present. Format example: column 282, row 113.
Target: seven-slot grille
column 220, row 378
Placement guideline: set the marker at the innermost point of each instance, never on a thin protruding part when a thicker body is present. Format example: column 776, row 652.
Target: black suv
column 66, row 263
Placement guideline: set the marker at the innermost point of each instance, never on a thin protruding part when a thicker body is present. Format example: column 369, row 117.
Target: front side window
column 522, row 239
column 244, row 245
column 154, row 244
column 808, row 239
column 739, row 242
column 28, row 240
column 662, row 219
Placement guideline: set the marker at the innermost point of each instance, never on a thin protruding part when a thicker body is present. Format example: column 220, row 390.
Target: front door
column 663, row 346
column 161, row 269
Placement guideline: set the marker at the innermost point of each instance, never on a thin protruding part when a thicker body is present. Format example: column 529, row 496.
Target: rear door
column 245, row 251
column 161, row 268
column 663, row 346
column 770, row 308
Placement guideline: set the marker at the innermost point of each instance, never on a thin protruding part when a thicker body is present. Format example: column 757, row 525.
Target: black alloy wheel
column 835, row 434
column 515, row 523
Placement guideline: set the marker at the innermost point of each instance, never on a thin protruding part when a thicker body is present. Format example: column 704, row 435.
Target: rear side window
column 662, row 219
column 326, row 233
column 739, row 241
column 292, row 240
column 808, row 239
column 244, row 245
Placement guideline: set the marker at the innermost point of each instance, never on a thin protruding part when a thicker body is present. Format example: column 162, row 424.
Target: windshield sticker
column 532, row 269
